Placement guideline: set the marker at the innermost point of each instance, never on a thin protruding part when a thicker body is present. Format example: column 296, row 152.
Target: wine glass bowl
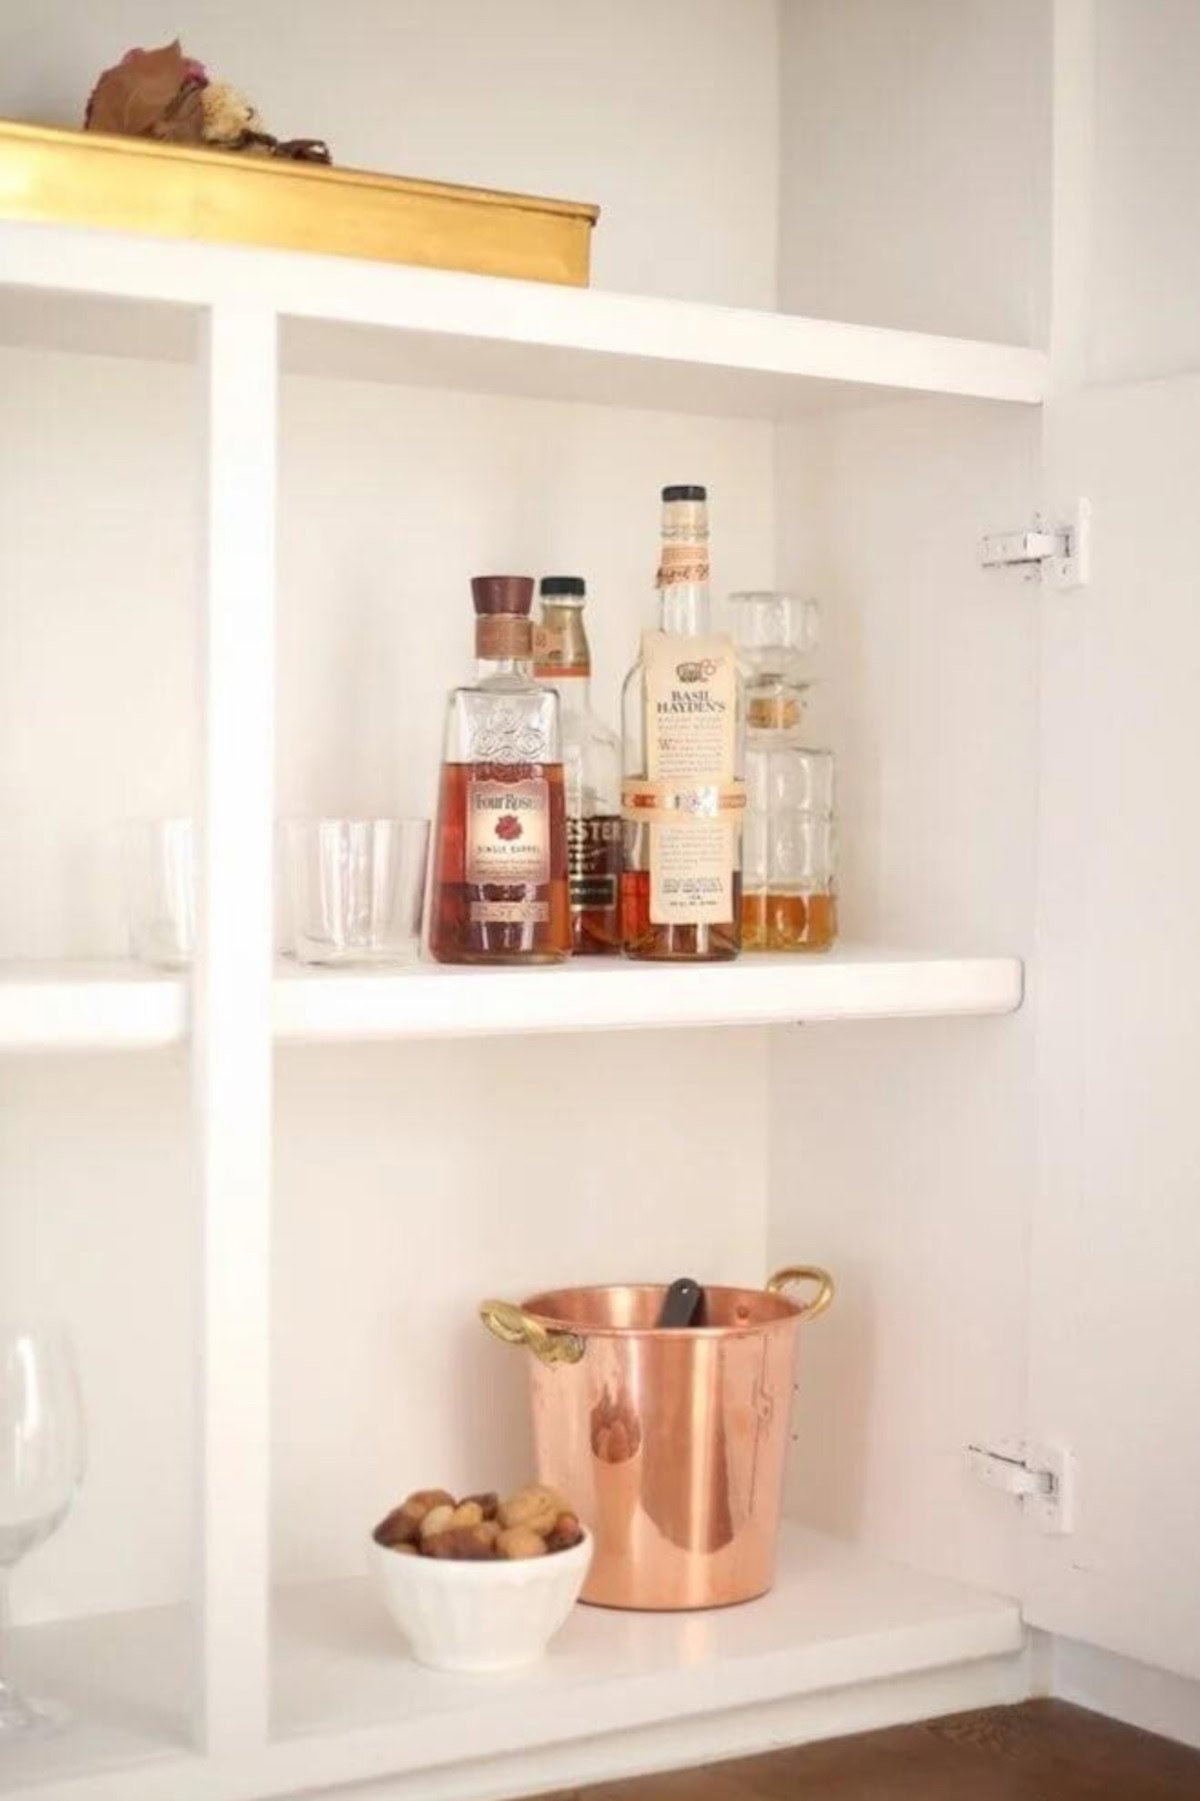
column 42, row 1457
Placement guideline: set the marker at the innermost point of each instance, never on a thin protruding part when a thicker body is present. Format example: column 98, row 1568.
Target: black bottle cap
column 687, row 492
column 562, row 584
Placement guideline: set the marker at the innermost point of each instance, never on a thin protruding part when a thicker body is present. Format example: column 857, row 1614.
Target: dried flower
column 150, row 93
column 228, row 115
column 166, row 95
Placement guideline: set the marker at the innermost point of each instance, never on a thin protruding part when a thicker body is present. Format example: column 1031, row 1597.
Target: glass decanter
column 789, row 898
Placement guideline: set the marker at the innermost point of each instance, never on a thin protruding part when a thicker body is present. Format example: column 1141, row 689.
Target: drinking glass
column 357, row 888
column 42, row 1453
column 160, row 891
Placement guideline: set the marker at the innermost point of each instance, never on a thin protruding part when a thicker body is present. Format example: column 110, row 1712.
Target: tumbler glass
column 160, row 891
column 357, row 887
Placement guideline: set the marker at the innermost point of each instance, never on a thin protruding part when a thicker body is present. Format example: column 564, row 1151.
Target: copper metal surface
column 671, row 1444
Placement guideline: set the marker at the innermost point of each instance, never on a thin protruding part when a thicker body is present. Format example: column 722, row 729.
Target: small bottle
column 500, row 850
column 591, row 769
column 683, row 794
column 789, row 900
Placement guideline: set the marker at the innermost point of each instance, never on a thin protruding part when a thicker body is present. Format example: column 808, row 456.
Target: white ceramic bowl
column 480, row 1617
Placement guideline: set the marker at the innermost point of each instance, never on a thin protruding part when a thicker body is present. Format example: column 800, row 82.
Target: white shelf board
column 836, row 1617
column 350, row 1706
column 89, row 1006
column 125, row 1681
column 81, row 1006
column 377, row 321
column 431, row 1001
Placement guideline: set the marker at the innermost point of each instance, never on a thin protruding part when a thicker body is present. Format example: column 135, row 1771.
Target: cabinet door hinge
column 1041, row 1477
column 1061, row 554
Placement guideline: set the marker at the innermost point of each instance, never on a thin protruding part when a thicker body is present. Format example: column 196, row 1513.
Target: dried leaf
column 136, row 96
column 184, row 120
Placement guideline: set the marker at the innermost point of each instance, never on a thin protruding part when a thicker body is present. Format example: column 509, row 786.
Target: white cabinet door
column 1115, row 1351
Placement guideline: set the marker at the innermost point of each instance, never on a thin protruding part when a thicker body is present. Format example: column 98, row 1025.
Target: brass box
column 167, row 191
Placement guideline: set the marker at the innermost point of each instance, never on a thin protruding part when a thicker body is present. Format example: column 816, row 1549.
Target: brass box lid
column 165, row 190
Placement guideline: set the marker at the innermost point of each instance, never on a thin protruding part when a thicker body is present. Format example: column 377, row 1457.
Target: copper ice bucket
column 671, row 1443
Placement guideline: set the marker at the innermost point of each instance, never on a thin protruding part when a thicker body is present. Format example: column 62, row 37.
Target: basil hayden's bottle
column 683, row 794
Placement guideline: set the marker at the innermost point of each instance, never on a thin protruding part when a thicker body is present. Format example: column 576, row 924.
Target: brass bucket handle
column 512, row 1326
column 806, row 1272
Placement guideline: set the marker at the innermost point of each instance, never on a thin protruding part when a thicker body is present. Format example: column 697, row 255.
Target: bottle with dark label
column 500, row 852
column 591, row 770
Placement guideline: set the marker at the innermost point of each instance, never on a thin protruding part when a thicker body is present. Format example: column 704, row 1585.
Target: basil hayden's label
column 691, row 742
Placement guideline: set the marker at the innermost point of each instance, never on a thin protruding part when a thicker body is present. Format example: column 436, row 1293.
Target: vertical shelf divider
column 231, row 997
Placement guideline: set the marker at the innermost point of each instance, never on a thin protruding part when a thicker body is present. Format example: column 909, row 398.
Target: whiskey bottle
column 591, row 770
column 500, row 853
column 683, row 794
column 789, row 901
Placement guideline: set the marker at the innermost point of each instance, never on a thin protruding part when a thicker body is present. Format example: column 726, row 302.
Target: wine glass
column 42, row 1454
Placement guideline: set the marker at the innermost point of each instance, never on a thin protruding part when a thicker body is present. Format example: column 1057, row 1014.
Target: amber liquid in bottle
column 788, row 922
column 497, row 922
column 500, row 890
column 656, row 942
column 592, row 771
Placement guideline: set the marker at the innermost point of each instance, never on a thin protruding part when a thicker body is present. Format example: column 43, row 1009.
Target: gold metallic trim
column 806, row 1272
column 167, row 190
column 512, row 1326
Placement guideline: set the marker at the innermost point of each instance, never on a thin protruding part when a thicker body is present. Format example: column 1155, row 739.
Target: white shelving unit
column 838, row 1622
column 273, row 1264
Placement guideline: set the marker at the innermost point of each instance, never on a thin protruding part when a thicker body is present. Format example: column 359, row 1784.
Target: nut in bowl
column 480, row 1585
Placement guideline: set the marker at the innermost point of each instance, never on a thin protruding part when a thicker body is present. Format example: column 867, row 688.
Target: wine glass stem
column 6, row 1627
column 12, row 1708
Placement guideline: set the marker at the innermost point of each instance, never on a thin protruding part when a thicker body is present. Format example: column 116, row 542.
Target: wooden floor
column 1039, row 1751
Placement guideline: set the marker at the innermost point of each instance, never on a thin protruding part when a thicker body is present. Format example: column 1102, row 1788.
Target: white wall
column 414, row 1182
column 1144, row 245
column 665, row 115
column 914, row 181
column 96, row 1228
column 394, row 497
column 97, row 539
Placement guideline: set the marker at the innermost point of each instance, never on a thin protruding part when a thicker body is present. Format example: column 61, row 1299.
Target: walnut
column 521, row 1541
column 462, row 1544
column 488, row 1504
column 536, row 1507
column 398, row 1528
column 566, row 1533
column 423, row 1499
column 438, row 1519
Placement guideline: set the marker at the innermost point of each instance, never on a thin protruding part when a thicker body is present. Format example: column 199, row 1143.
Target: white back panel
column 914, row 177
column 665, row 115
